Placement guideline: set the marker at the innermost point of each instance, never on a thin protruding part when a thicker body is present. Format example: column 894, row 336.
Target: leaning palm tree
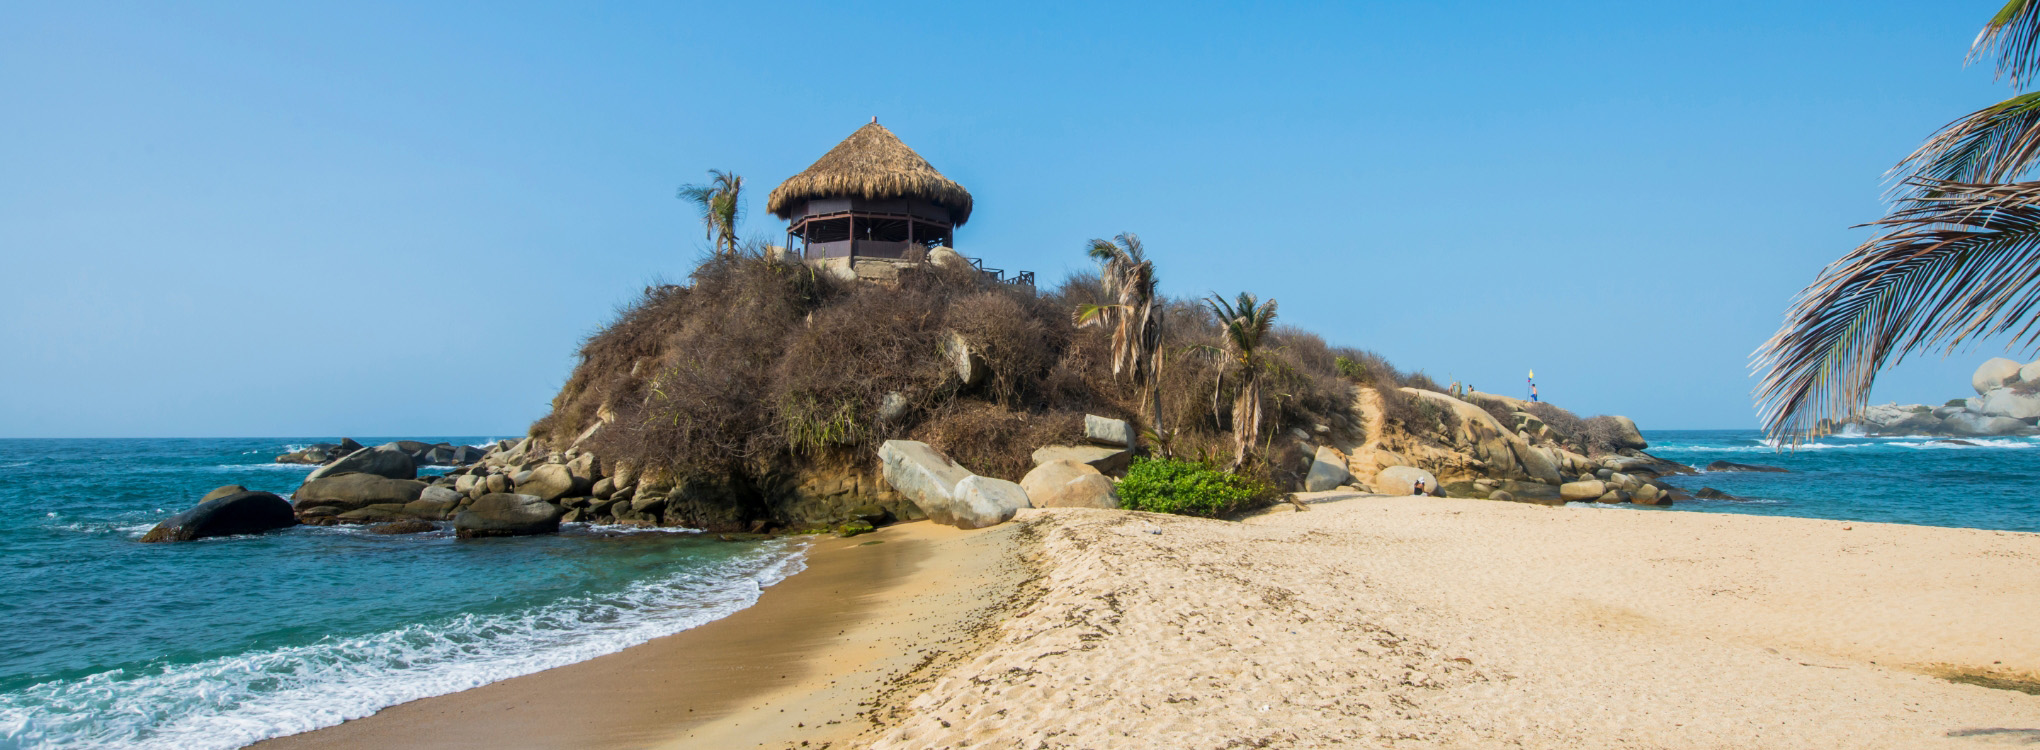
column 722, row 206
column 1246, row 322
column 1957, row 259
column 1134, row 315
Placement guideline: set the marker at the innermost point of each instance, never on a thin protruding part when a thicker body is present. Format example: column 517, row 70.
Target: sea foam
column 233, row 701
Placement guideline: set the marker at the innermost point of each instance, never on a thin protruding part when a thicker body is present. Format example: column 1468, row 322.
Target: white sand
column 1377, row 621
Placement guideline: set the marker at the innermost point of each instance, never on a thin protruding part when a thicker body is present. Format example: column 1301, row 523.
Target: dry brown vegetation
column 755, row 365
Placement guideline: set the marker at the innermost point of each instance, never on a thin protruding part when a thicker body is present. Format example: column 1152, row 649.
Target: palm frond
column 2013, row 35
column 1961, row 262
column 1997, row 143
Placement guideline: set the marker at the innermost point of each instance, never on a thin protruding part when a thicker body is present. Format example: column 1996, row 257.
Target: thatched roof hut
column 871, row 165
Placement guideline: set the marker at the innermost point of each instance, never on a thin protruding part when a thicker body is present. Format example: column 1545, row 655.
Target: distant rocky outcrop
column 420, row 453
column 2007, row 403
column 1483, row 445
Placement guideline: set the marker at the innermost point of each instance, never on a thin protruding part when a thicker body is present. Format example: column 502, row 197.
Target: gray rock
column 225, row 515
column 466, row 483
column 383, row 461
column 504, row 514
column 1108, row 431
column 893, row 406
column 1105, row 459
column 969, row 366
column 552, row 482
column 1995, row 372
column 497, row 483
column 924, row 476
column 351, row 491
column 1327, row 471
column 1068, row 484
column 986, row 501
column 1502, row 495
column 2004, row 402
column 1980, row 425
column 1402, row 480
column 604, row 488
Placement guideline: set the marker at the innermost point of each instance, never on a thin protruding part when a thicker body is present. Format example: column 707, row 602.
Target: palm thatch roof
column 872, row 164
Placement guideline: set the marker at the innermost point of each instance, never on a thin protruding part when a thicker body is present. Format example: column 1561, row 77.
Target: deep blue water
column 1993, row 484
column 216, row 643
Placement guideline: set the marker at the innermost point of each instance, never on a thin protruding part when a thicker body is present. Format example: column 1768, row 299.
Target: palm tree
column 1135, row 315
column 1246, row 322
column 722, row 206
column 1958, row 258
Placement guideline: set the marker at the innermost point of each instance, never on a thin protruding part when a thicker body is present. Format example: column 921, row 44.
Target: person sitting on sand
column 1418, row 489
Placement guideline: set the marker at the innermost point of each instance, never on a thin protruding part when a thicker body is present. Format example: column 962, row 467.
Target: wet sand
column 878, row 610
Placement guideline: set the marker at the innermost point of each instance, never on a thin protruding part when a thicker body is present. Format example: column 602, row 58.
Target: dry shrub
column 754, row 366
column 982, row 436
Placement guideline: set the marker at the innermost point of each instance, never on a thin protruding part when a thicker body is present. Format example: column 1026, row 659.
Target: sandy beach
column 1367, row 621
column 870, row 618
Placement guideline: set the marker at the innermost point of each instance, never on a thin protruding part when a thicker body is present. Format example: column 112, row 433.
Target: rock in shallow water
column 236, row 513
column 504, row 514
column 403, row 527
column 352, row 491
column 1730, row 466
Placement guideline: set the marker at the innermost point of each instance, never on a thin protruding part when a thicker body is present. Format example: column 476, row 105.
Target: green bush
column 1188, row 488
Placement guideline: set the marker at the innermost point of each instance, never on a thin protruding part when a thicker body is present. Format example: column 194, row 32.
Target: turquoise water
column 1992, row 484
column 221, row 642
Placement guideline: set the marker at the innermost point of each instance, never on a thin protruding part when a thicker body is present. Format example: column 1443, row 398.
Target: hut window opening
column 827, row 230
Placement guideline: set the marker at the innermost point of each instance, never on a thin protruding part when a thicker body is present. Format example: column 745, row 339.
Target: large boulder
column 1402, row 480
column 553, row 481
column 383, row 461
column 1108, row 431
column 1327, row 471
column 2006, row 402
column 225, row 515
column 351, row 491
column 969, row 366
column 923, row 475
column 1994, row 373
column 1583, row 491
column 1983, row 425
column 986, row 501
column 1626, row 434
column 1105, row 459
column 1068, row 484
column 505, row 514
column 1537, row 462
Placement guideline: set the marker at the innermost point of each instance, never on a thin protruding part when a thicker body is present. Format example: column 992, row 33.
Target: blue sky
column 303, row 219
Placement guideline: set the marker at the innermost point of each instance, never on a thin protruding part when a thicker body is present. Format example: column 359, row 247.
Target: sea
column 105, row 642
column 217, row 643
column 1977, row 483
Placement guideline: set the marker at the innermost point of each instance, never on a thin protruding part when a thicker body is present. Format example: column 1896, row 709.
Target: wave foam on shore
column 233, row 701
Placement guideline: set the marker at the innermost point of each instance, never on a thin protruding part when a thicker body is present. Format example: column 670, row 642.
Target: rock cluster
column 2007, row 402
column 421, row 454
column 1480, row 456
